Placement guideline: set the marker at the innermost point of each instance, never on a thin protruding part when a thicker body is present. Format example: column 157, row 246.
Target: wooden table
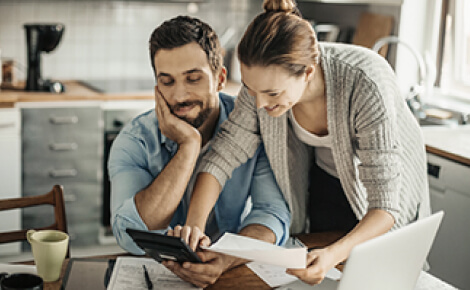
column 237, row 278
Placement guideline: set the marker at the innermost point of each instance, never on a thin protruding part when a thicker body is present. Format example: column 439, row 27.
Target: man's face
column 187, row 83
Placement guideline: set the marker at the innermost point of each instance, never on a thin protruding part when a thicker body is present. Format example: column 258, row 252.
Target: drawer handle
column 7, row 125
column 58, row 173
column 70, row 197
column 63, row 120
column 63, row 146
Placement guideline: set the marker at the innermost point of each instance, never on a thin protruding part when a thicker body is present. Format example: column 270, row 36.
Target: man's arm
column 269, row 221
column 138, row 199
column 157, row 203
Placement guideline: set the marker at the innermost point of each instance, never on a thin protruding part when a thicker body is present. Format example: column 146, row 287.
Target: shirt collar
column 172, row 146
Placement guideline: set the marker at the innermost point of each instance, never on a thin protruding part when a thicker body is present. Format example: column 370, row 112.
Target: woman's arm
column 375, row 223
column 236, row 142
column 205, row 194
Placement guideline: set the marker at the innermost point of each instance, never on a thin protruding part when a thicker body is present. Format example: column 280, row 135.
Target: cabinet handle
column 58, row 173
column 7, row 125
column 63, row 146
column 70, row 197
column 58, row 120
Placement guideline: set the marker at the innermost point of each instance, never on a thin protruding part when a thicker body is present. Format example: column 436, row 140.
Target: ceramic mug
column 49, row 249
column 20, row 281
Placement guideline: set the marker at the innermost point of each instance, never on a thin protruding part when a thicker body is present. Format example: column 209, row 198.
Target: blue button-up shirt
column 140, row 153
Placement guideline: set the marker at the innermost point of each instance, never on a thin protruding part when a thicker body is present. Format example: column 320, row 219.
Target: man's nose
column 180, row 93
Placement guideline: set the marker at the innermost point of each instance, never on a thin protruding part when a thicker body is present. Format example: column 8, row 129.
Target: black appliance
column 41, row 38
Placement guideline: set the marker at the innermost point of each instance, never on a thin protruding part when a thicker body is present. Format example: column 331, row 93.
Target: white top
column 322, row 144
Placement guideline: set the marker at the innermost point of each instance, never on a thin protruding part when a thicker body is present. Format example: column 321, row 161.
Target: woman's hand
column 193, row 236
column 319, row 262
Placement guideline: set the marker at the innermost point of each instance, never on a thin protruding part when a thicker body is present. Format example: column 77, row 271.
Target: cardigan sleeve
column 377, row 145
column 236, row 142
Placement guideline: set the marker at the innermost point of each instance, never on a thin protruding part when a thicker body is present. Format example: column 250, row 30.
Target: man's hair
column 183, row 30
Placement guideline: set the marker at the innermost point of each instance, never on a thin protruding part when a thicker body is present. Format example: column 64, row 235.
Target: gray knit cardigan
column 377, row 148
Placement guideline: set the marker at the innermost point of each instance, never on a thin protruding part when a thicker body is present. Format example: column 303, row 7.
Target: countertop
column 449, row 142
column 75, row 91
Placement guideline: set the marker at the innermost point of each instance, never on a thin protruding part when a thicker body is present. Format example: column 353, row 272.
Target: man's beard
column 200, row 119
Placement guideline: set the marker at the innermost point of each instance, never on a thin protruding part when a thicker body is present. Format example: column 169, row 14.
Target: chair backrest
column 55, row 198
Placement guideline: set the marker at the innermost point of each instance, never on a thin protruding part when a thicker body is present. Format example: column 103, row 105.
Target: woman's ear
column 309, row 72
column 222, row 78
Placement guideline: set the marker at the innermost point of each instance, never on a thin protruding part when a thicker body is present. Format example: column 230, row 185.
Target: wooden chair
column 55, row 198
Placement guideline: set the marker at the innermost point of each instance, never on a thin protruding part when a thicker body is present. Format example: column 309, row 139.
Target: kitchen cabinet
column 449, row 185
column 63, row 145
column 10, row 172
column 414, row 23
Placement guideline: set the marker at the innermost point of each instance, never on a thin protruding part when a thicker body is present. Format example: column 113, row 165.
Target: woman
column 345, row 150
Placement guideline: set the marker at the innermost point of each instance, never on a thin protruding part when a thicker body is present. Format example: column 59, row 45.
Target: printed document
column 276, row 276
column 129, row 274
column 260, row 251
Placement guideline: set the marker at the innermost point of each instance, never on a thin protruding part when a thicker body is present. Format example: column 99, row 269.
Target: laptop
column 389, row 262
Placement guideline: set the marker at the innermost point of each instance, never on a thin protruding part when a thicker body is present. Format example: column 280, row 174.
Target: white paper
column 13, row 268
column 276, row 276
column 260, row 251
column 129, row 274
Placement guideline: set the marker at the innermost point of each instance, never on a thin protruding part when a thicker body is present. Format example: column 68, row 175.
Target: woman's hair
column 183, row 30
column 279, row 36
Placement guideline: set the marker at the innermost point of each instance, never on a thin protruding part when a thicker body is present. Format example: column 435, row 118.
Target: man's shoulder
column 143, row 122
column 143, row 128
column 227, row 101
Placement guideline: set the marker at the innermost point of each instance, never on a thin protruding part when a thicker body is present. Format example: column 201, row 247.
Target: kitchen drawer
column 84, row 234
column 82, row 204
column 49, row 122
column 79, row 147
column 42, row 171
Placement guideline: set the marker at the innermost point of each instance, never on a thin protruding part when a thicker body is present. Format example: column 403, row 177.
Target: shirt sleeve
column 269, row 207
column 128, row 175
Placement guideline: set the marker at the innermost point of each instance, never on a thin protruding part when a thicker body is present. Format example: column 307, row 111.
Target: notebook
column 389, row 262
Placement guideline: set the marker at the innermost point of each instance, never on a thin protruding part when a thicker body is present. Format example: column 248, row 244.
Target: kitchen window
column 454, row 56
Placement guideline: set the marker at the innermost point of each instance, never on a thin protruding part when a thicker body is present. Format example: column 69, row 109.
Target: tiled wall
column 106, row 39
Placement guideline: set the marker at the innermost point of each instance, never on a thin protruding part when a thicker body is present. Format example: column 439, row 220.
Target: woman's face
column 274, row 88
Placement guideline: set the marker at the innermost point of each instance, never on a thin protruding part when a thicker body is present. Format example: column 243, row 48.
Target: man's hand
column 202, row 274
column 171, row 126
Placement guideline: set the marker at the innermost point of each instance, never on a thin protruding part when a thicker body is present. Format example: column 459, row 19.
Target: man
column 153, row 159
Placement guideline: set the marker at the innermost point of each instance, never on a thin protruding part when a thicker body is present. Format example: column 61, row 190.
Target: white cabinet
column 10, row 172
column 449, row 184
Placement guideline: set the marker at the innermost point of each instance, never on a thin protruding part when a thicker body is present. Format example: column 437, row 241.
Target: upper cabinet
column 414, row 22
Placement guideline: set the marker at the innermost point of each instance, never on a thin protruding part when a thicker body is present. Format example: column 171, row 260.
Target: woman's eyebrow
column 263, row 91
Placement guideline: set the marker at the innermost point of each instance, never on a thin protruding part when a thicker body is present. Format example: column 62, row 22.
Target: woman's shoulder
column 353, row 56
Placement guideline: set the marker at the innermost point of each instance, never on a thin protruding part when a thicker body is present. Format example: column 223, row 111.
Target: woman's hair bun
column 280, row 6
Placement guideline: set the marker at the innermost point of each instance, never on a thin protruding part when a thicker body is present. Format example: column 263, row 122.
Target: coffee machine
column 39, row 38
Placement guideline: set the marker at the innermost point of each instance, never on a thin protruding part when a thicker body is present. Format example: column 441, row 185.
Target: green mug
column 49, row 249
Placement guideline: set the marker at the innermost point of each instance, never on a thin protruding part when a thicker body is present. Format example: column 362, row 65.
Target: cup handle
column 29, row 235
